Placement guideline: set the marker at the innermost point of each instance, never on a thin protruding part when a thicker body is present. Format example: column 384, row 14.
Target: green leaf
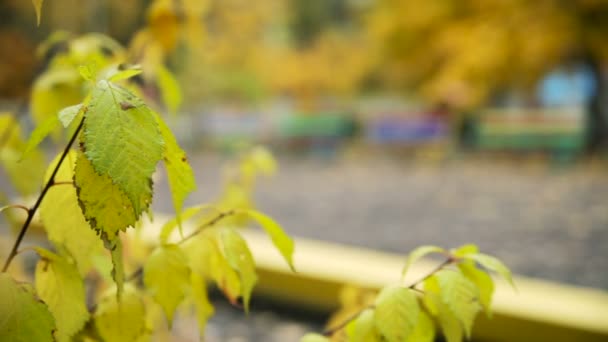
column 123, row 74
column 67, row 114
column 419, row 253
column 396, row 313
column 204, row 309
column 122, row 140
column 280, row 240
column 167, row 277
column 60, row 286
column 87, row 72
column 63, row 220
column 449, row 323
column 39, row 133
column 312, row 337
column 491, row 263
column 464, row 250
column 118, row 268
column 25, row 175
column 23, row 317
column 240, row 259
column 424, row 331
column 461, row 296
column 168, row 227
column 169, row 89
column 482, row 280
column 104, row 205
column 179, row 171
column 38, row 8
column 122, row 321
column 206, row 258
column 363, row 329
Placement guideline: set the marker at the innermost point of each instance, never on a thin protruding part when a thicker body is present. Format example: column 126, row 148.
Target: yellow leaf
column 23, row 317
column 167, row 277
column 104, row 205
column 240, row 259
column 279, row 238
column 204, row 309
column 60, row 286
column 122, row 321
column 396, row 313
column 63, row 220
column 38, row 8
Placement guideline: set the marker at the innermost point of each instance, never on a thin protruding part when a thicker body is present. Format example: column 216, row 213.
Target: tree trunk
column 598, row 110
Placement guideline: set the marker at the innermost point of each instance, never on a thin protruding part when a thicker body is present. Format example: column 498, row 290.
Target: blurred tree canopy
column 463, row 52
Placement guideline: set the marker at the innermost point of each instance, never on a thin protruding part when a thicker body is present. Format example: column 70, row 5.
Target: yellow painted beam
column 536, row 311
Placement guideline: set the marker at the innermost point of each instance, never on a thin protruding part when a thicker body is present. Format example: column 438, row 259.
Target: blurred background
column 396, row 122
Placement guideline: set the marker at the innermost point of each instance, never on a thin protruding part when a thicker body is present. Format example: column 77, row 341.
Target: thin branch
column 330, row 331
column 435, row 270
column 63, row 183
column 222, row 215
column 18, row 206
column 31, row 211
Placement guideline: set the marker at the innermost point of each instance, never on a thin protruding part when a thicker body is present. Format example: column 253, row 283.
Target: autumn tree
column 465, row 52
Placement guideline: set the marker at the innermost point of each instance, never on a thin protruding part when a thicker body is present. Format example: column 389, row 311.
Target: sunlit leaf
column 312, row 337
column 62, row 217
column 491, row 263
column 38, row 8
column 396, row 313
column 169, row 226
column 363, row 329
column 461, row 296
column 263, row 160
column 60, row 286
column 23, row 317
column 67, row 114
column 122, row 321
column 451, row 327
column 280, row 240
column 167, row 277
column 179, row 171
column 170, row 90
column 240, row 259
column 418, row 253
column 122, row 140
column 123, row 74
column 424, row 331
column 41, row 132
column 204, row 309
column 464, row 250
column 104, row 205
column 118, row 268
column 483, row 282
column 24, row 174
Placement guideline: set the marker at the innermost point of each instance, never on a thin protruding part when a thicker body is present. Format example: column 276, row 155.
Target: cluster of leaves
column 448, row 298
column 99, row 190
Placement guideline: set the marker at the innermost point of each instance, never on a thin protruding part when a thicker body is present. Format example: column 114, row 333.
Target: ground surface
column 542, row 220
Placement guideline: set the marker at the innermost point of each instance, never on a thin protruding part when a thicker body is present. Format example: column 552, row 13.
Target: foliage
column 461, row 52
column 101, row 189
column 447, row 298
column 98, row 188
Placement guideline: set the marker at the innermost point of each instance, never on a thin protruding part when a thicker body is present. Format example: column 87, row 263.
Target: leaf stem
column 140, row 271
column 435, row 270
column 31, row 211
column 330, row 331
column 17, row 206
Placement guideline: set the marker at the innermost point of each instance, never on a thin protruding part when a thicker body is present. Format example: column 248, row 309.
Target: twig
column 435, row 270
column 17, row 206
column 31, row 211
column 330, row 331
column 140, row 271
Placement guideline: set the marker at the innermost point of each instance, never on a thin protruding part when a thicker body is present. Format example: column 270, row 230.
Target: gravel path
column 543, row 221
